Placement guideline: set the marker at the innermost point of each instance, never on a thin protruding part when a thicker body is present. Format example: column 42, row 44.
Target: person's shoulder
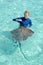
column 29, row 19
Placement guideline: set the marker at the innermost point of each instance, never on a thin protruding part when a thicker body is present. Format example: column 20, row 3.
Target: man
column 24, row 21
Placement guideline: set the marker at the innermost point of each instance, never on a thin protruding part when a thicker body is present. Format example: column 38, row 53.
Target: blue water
column 32, row 48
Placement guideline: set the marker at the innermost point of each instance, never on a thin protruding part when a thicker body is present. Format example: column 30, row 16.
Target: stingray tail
column 22, row 51
column 32, row 58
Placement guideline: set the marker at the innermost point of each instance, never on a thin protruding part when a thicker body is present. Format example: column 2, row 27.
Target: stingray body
column 21, row 34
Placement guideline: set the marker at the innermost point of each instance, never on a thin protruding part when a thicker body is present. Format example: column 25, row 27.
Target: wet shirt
column 23, row 21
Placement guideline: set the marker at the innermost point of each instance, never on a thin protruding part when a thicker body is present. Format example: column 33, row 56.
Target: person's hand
column 19, row 20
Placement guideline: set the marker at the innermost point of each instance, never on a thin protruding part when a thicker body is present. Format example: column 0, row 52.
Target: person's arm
column 30, row 23
column 18, row 19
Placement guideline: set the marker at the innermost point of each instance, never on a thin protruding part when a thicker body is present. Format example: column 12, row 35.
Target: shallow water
column 10, row 53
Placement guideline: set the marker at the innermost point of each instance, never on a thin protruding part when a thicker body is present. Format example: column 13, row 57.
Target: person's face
column 26, row 15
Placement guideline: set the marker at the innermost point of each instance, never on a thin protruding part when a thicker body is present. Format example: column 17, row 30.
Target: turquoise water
column 32, row 48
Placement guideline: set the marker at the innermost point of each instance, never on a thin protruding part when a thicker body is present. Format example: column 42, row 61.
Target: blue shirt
column 25, row 22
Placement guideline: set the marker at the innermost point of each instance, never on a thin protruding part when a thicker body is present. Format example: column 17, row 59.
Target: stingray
column 21, row 34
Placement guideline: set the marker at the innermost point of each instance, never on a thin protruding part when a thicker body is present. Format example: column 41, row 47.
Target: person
column 22, row 33
column 24, row 21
